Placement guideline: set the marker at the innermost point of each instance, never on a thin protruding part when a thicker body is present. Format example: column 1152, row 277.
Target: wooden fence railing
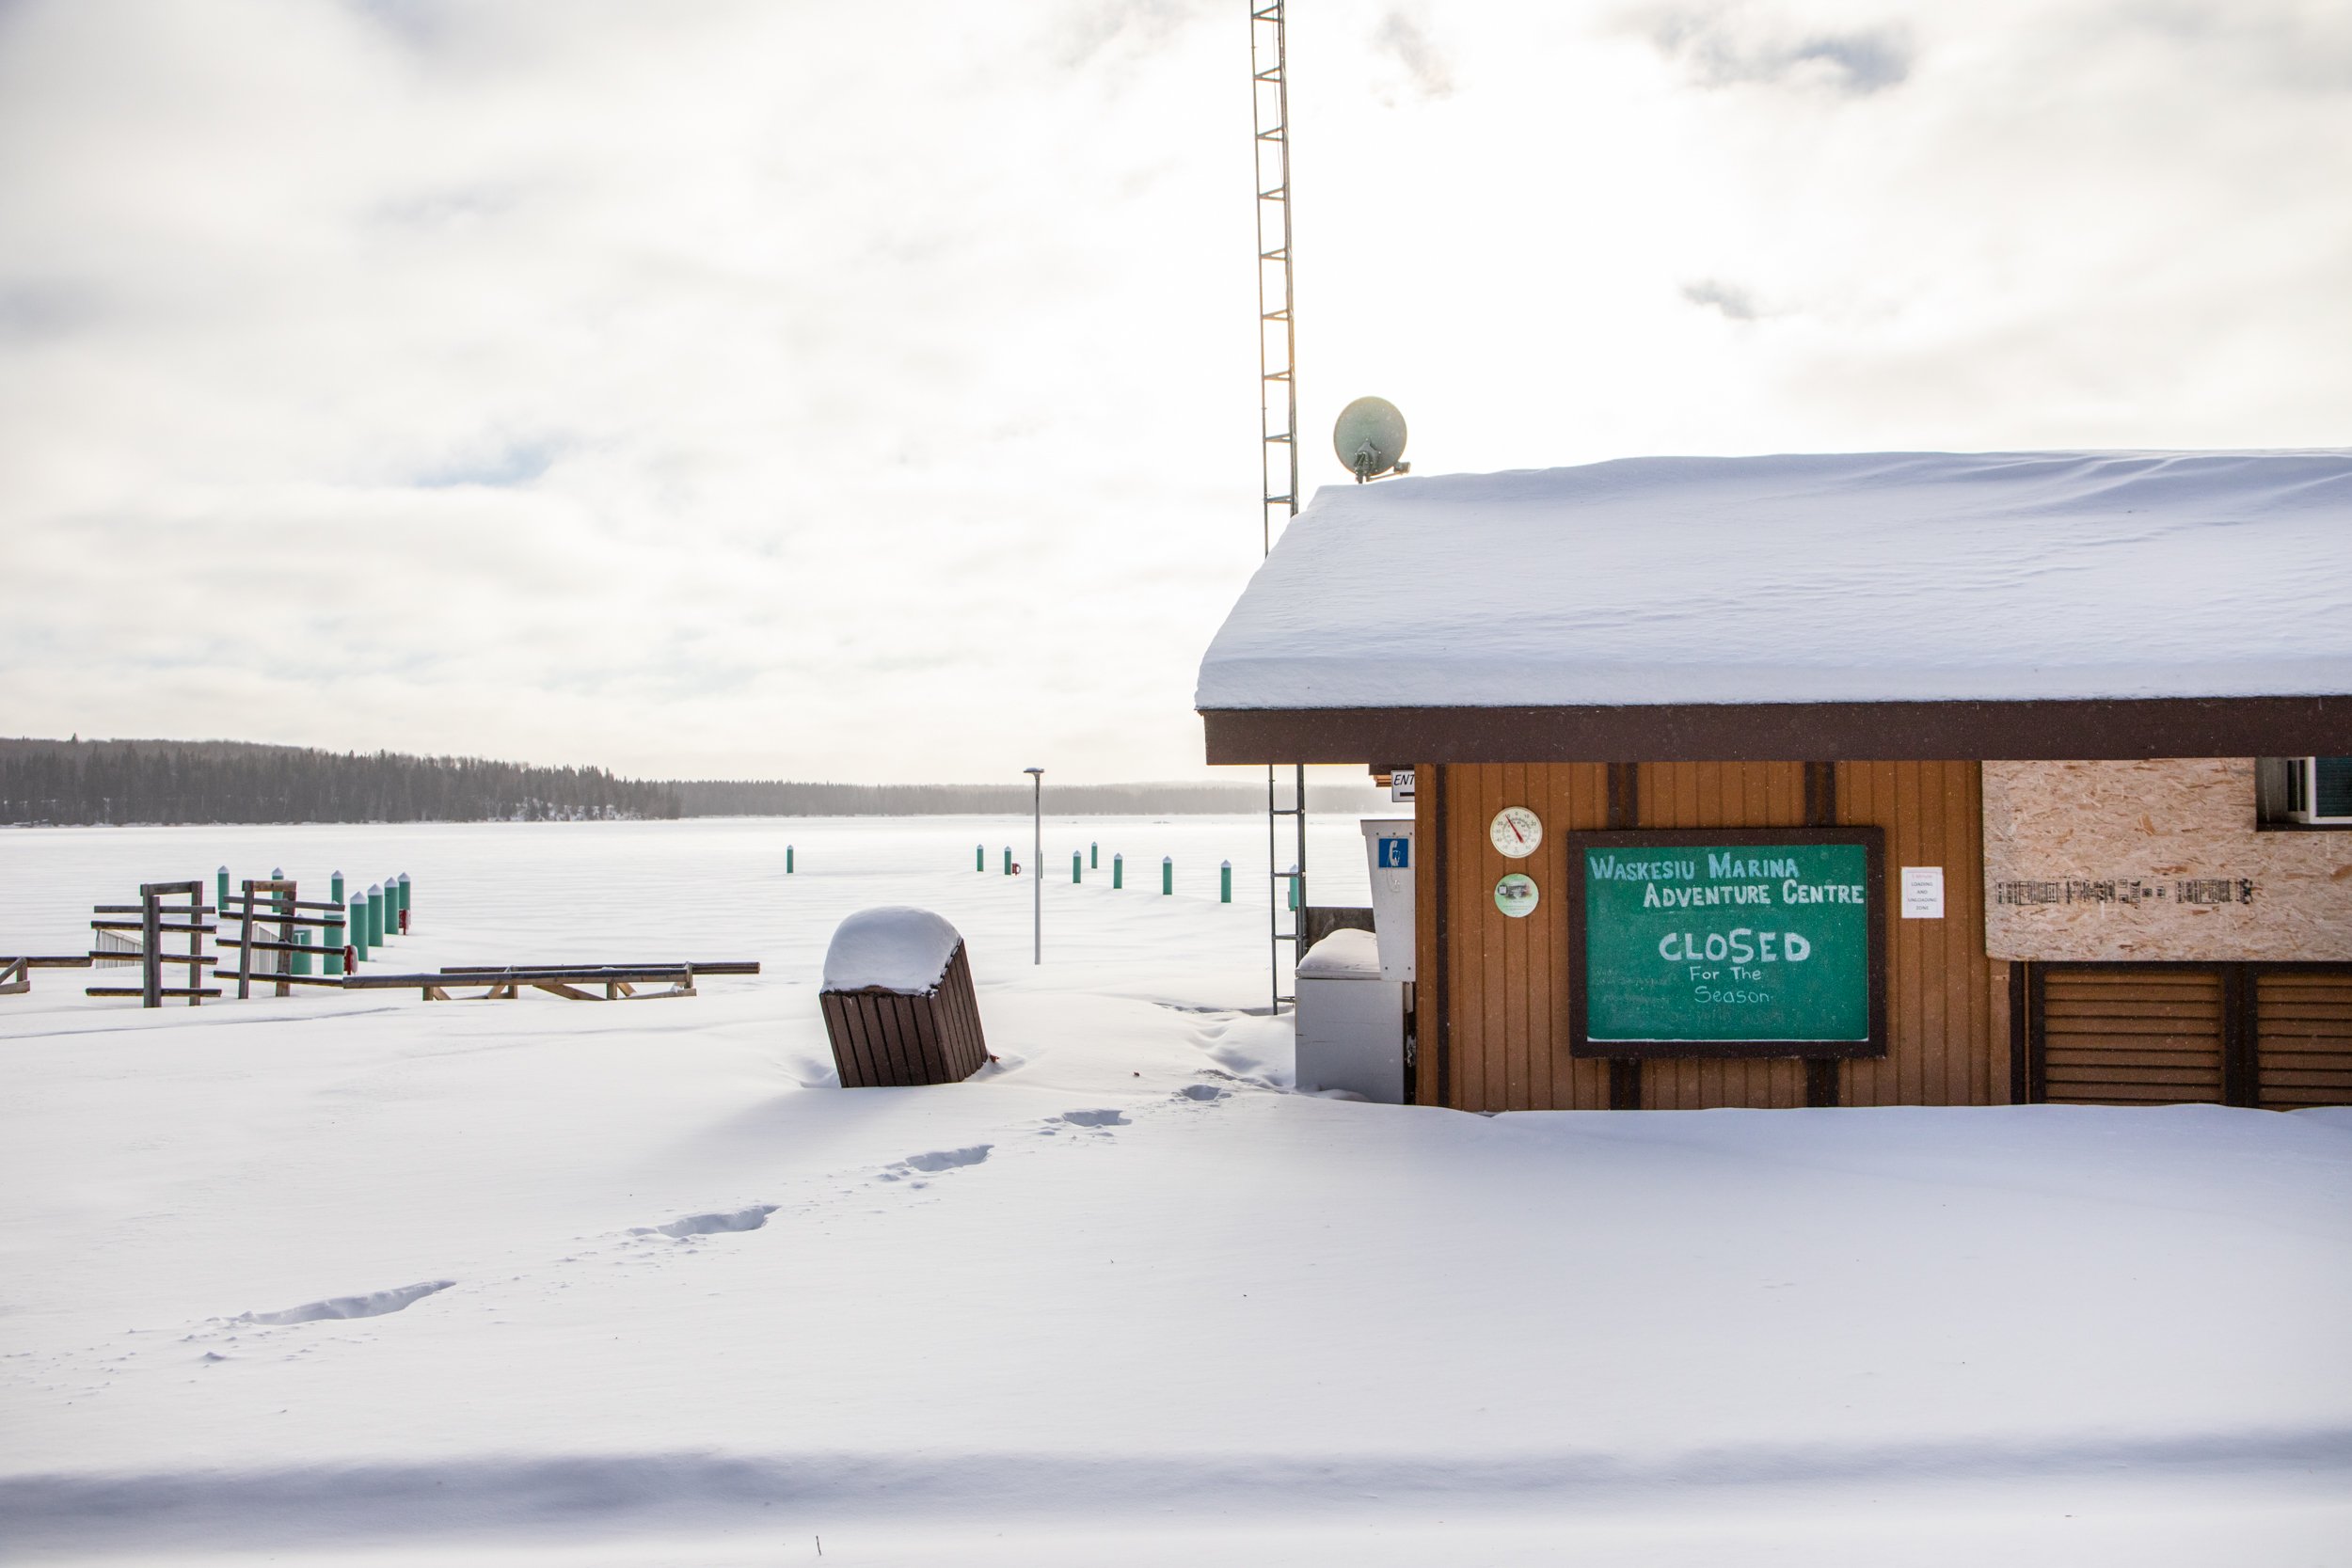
column 271, row 922
column 16, row 974
column 507, row 981
column 157, row 920
column 274, row 904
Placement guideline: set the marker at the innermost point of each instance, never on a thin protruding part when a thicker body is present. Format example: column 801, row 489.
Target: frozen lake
column 361, row 1278
column 716, row 888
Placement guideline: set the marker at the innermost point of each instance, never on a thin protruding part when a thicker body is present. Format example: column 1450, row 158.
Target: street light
column 1037, row 864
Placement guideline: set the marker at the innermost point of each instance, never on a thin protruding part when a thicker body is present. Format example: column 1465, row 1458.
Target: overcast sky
column 868, row 392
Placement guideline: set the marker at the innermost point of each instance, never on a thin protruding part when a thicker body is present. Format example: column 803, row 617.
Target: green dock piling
column 302, row 959
column 1225, row 883
column 220, row 894
column 376, row 914
column 1076, row 866
column 1007, row 860
column 404, row 904
column 1118, row 871
column 1292, row 878
column 979, row 857
column 787, row 860
column 358, row 931
column 1094, row 857
column 1167, row 875
column 335, row 887
column 334, row 955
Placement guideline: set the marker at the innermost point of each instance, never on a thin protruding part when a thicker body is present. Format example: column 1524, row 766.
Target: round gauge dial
column 1516, row 831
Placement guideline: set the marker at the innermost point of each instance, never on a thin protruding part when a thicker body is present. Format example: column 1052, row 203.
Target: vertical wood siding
column 1507, row 980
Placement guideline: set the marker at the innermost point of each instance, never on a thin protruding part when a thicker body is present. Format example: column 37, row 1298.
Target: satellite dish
column 1369, row 438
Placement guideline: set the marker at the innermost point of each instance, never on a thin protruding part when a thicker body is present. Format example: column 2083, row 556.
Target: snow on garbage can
column 898, row 1001
column 1350, row 1022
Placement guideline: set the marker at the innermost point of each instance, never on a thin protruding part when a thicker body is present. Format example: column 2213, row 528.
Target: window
column 2303, row 792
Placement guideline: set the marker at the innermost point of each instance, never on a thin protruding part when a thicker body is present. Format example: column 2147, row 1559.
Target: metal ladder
column 1277, row 336
column 1277, row 427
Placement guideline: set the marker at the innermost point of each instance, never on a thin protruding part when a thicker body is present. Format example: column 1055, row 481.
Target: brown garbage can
column 899, row 1003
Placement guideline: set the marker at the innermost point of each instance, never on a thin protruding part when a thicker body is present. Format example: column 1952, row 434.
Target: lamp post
column 1037, row 864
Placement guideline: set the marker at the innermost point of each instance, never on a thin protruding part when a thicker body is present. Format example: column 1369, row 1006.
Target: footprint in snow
column 372, row 1306
column 947, row 1159
column 718, row 1225
column 1203, row 1092
column 1096, row 1122
column 935, row 1160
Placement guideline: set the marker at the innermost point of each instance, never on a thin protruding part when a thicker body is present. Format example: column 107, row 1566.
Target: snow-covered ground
column 371, row 1279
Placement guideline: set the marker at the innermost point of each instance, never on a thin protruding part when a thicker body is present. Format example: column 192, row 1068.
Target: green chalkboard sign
column 1728, row 943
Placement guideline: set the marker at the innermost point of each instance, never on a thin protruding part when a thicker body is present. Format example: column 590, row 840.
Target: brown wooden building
column 2060, row 701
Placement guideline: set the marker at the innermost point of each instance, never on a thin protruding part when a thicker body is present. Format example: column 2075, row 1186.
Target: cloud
column 496, row 464
column 1723, row 46
column 36, row 311
column 1426, row 66
column 1085, row 34
column 2304, row 45
column 582, row 385
column 1734, row 303
column 804, row 391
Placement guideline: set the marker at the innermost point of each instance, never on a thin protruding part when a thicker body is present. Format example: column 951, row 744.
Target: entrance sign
column 1728, row 943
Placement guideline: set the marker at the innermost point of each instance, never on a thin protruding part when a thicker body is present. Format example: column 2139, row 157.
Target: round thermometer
column 1516, row 831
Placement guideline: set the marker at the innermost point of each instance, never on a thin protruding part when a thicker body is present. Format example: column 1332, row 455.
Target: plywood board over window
column 2156, row 860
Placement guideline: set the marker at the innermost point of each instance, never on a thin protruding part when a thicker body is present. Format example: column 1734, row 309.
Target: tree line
column 73, row 782
column 88, row 781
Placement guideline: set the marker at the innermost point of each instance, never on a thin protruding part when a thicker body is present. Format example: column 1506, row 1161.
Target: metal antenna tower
column 1278, row 426
column 1278, row 334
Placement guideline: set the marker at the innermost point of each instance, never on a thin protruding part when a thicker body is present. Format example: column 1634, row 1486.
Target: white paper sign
column 1401, row 784
column 1923, row 892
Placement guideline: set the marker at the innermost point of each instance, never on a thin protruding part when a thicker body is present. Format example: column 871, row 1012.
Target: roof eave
column 2088, row 730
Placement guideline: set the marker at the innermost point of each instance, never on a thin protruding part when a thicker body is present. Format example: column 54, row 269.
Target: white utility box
column 1350, row 1020
column 1389, row 854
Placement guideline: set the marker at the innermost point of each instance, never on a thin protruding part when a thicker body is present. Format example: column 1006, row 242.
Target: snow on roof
column 895, row 948
column 1882, row 576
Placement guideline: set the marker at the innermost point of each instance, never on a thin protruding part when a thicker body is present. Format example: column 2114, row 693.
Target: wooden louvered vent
column 2306, row 1039
column 2132, row 1037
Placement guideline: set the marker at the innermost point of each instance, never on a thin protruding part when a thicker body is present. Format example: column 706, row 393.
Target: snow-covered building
column 1897, row 778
